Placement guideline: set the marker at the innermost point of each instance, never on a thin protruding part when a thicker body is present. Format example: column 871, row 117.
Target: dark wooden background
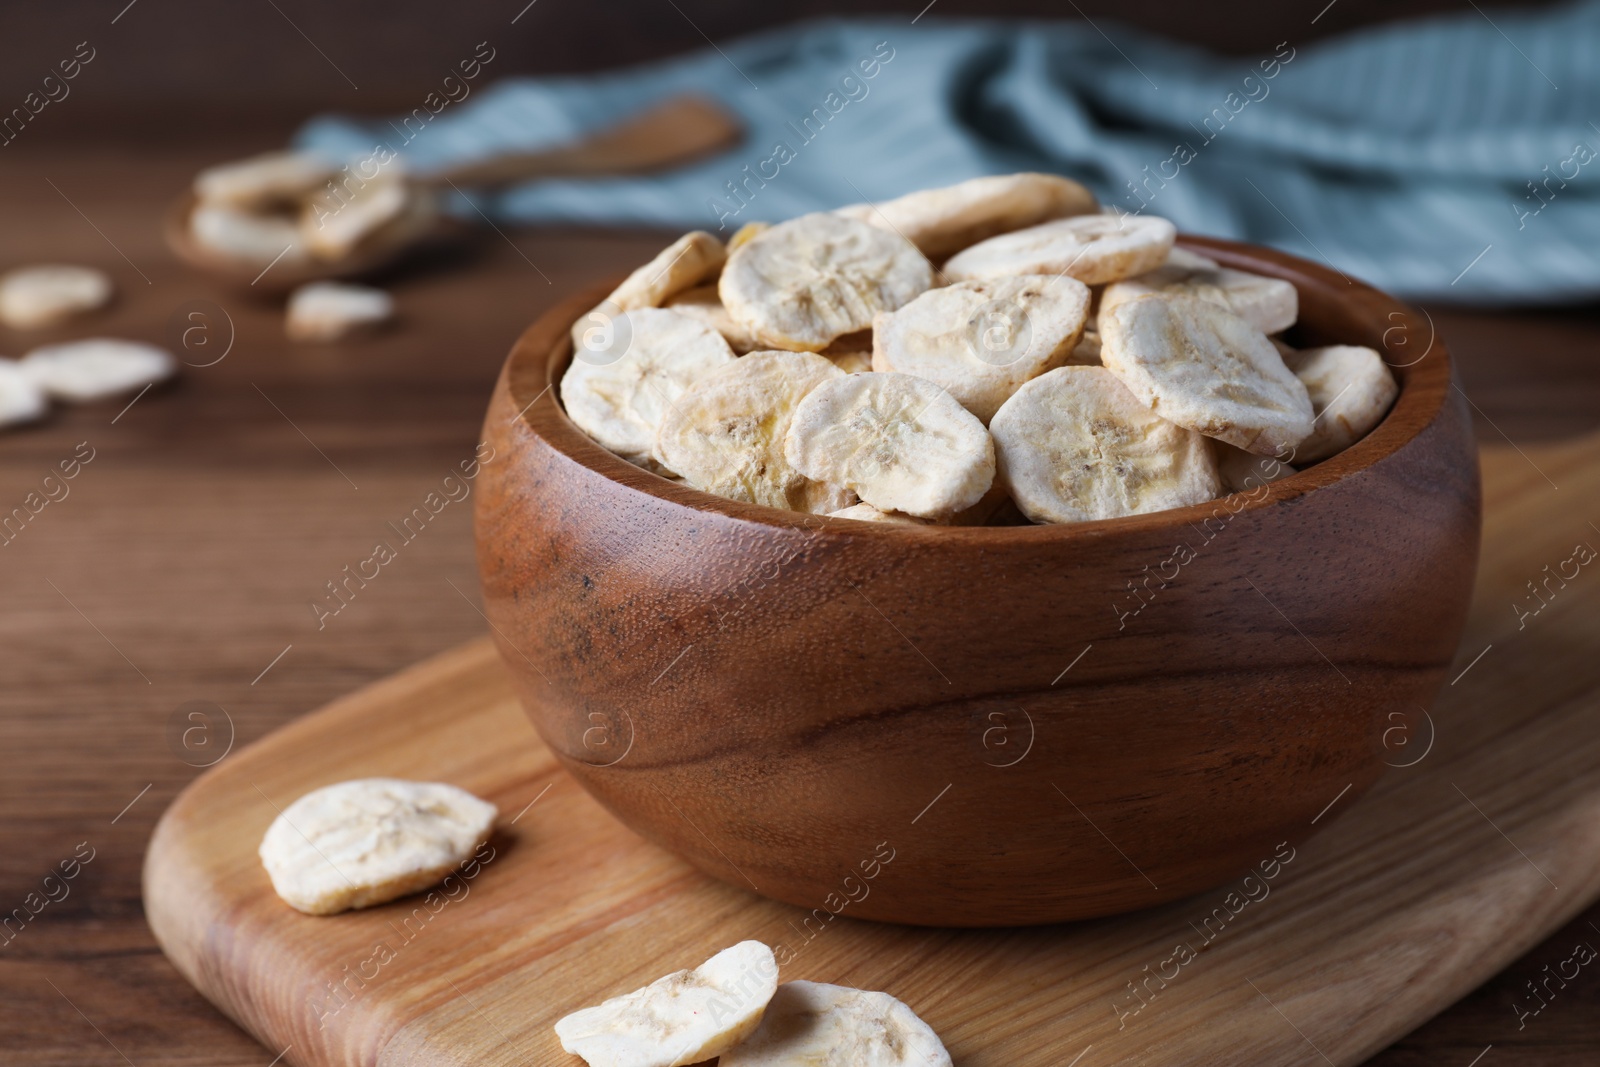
column 186, row 58
column 184, row 558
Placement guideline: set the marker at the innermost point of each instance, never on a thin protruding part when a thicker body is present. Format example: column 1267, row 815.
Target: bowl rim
column 533, row 371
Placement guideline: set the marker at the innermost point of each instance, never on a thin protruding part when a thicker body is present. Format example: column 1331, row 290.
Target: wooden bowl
column 984, row 726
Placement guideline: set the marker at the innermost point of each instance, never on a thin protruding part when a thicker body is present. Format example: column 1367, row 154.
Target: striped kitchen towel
column 1452, row 157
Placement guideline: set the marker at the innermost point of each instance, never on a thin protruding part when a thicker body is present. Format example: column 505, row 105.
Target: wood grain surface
column 1485, row 838
column 773, row 691
column 207, row 522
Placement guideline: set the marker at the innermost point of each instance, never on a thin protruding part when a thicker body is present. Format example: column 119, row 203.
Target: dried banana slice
column 686, row 1017
column 624, row 378
column 703, row 303
column 725, row 434
column 1243, row 472
column 1268, row 304
column 812, row 1024
column 335, row 221
column 745, row 232
column 685, row 263
column 360, row 843
column 327, row 311
column 803, row 283
column 1091, row 248
column 1087, row 351
column 1075, row 445
column 984, row 512
column 868, row 513
column 860, row 340
column 31, row 297
column 1187, row 260
column 1351, row 390
column 899, row 442
column 849, row 360
column 942, row 221
column 264, row 180
column 689, row 261
column 227, row 231
column 1203, row 367
column 84, row 371
column 981, row 340
column 21, row 399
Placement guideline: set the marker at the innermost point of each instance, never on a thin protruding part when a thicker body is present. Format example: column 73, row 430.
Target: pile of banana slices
column 1060, row 364
column 732, row 1007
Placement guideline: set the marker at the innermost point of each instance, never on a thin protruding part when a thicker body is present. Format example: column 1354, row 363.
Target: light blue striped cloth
column 1453, row 157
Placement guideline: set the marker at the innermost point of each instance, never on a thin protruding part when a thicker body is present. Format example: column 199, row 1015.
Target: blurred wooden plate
column 675, row 132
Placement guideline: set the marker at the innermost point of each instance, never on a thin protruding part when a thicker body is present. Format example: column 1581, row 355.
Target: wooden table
column 177, row 575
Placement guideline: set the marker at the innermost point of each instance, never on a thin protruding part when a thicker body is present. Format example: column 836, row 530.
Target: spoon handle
column 673, row 132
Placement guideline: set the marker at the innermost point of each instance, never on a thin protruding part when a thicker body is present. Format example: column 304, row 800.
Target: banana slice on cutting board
column 1268, row 304
column 812, row 1024
column 630, row 371
column 725, row 434
column 899, row 442
column 801, row 284
column 687, row 1017
column 1075, row 445
column 1091, row 248
column 981, row 340
column 1351, row 390
column 1203, row 367
column 942, row 221
column 363, row 842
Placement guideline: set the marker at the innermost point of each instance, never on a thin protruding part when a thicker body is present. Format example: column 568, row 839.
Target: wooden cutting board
column 1484, row 838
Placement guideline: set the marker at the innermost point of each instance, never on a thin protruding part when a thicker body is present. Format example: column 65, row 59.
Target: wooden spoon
column 672, row 133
